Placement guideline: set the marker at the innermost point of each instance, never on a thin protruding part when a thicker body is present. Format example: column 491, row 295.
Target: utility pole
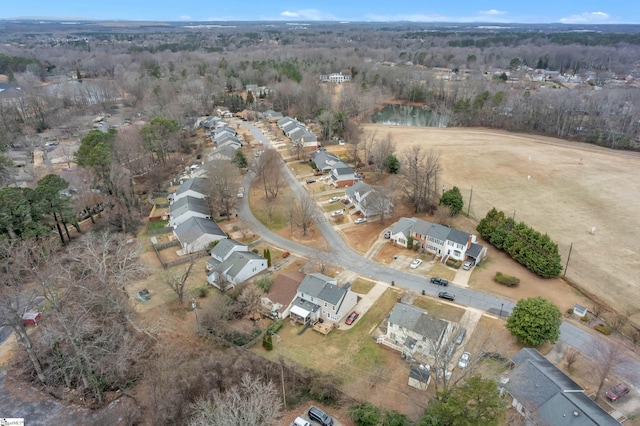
column 284, row 398
column 194, row 306
column 564, row 274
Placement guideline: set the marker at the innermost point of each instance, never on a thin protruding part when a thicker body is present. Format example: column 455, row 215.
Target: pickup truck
column 439, row 281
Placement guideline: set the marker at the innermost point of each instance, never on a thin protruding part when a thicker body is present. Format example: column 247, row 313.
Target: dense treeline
column 10, row 65
column 530, row 248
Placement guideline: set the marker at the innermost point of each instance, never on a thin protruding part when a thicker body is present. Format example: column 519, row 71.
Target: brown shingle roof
column 284, row 287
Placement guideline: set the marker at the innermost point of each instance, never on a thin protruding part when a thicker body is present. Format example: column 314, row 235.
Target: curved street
column 346, row 258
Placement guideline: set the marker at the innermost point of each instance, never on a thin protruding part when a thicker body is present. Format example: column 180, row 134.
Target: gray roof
column 457, row 236
column 439, row 232
column 226, row 151
column 555, row 397
column 284, row 120
column 419, row 374
column 324, row 160
column 342, row 169
column 474, row 250
column 418, row 321
column 223, row 248
column 198, row 185
column 421, row 227
column 236, row 262
column 189, row 203
column 271, row 114
column 319, row 286
column 305, row 304
column 195, row 227
column 360, row 187
column 404, row 225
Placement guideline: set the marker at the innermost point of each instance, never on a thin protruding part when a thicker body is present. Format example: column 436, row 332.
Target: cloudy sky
column 540, row 11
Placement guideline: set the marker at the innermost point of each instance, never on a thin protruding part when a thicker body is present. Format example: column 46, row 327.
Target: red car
column 352, row 317
column 617, row 391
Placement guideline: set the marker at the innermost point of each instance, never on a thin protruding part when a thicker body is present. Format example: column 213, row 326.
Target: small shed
column 419, row 377
column 31, row 318
column 579, row 310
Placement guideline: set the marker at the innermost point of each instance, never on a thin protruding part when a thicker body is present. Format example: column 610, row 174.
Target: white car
column 467, row 265
column 416, row 263
column 334, row 199
column 464, row 360
column 337, row 213
column 360, row 220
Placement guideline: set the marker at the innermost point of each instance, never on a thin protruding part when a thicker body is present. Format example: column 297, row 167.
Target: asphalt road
column 343, row 256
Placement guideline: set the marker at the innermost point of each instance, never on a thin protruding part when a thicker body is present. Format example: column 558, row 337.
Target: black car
column 311, row 180
column 445, row 295
column 317, row 415
column 439, row 281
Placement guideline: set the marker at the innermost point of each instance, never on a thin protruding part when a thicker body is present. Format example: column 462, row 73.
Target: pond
column 407, row 115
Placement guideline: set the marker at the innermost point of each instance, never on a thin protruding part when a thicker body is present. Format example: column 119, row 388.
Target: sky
column 538, row 11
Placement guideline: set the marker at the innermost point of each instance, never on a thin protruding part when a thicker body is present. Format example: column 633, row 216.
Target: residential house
column 305, row 138
column 222, row 111
column 323, row 160
column 225, row 153
column 414, row 331
column 437, row 239
column 368, row 200
column 336, row 77
column 284, row 121
column 319, row 297
column 543, row 394
column 277, row 302
column 272, row 116
column 342, row 175
column 223, row 250
column 236, row 269
column 195, row 187
column 196, row 234
column 188, row 207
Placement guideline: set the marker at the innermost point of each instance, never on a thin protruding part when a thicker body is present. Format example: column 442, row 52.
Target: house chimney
column 469, row 242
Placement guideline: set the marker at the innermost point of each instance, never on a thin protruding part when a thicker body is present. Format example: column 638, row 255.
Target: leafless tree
column 224, row 179
column 606, row 359
column 379, row 202
column 421, row 172
column 353, row 138
column 443, row 215
column 368, row 140
column 267, row 169
column 571, row 357
column 303, row 212
column 322, row 259
column 381, row 150
column 249, row 300
column 251, row 402
column 178, row 282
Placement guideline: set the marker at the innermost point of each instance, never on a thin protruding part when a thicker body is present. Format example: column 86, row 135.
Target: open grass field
column 558, row 187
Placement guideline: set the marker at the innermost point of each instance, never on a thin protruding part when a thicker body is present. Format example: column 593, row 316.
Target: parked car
column 447, row 374
column 467, row 265
column 439, row 281
column 337, row 213
column 334, row 199
column 360, row 220
column 461, row 334
column 352, row 317
column 317, row 415
column 299, row 421
column 311, row 180
column 416, row 263
column 617, row 391
column 143, row 295
column 464, row 360
column 445, row 295
column 387, row 235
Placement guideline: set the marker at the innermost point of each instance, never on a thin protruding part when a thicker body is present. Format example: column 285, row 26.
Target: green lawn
column 157, row 224
column 346, row 351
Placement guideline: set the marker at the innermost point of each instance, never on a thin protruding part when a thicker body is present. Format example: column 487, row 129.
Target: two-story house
column 342, row 175
column 196, row 234
column 437, row 239
column 368, row 200
column 195, row 187
column 324, row 160
column 414, row 331
column 223, row 250
column 319, row 297
column 235, row 269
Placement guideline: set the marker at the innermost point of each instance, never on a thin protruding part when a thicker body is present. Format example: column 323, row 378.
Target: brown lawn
column 542, row 182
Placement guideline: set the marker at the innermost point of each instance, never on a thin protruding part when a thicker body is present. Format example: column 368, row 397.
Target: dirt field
column 561, row 188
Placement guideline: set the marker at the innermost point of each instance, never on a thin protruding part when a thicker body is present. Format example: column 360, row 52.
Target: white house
column 438, row 239
column 186, row 208
column 414, row 331
column 223, row 250
column 319, row 296
column 196, row 234
column 237, row 268
column 324, row 160
column 335, row 78
column 368, row 200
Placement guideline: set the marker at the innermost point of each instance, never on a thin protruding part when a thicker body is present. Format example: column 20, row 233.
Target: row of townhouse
column 297, row 132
